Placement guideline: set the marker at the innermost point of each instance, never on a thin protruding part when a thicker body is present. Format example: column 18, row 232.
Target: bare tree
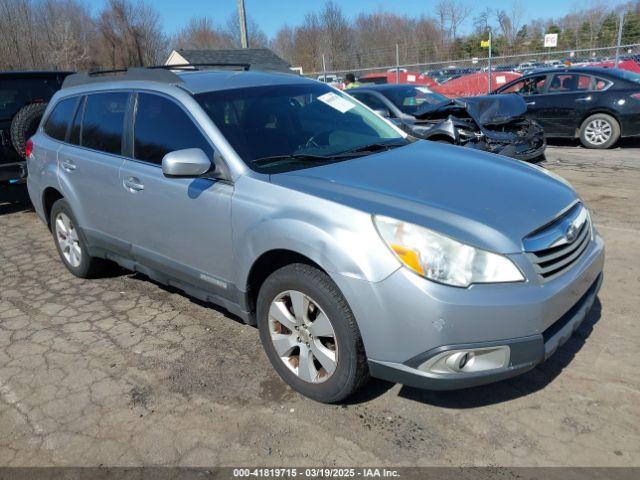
column 130, row 34
column 284, row 43
column 450, row 15
column 255, row 36
column 511, row 21
column 201, row 34
column 336, row 35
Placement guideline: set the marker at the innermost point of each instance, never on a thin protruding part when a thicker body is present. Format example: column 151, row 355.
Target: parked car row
column 597, row 105
column 357, row 249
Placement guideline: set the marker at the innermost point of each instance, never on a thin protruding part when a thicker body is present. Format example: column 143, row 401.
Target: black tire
column 603, row 117
column 24, row 125
column 351, row 371
column 88, row 267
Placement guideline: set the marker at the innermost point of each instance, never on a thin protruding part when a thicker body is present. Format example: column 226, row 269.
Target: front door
column 180, row 226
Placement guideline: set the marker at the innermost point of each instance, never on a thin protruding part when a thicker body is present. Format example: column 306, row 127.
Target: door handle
column 68, row 165
column 584, row 99
column 133, row 184
column 531, row 102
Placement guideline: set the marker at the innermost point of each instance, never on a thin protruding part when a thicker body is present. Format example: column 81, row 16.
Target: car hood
column 486, row 110
column 485, row 200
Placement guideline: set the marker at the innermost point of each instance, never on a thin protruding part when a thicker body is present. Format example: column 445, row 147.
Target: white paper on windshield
column 411, row 78
column 336, row 101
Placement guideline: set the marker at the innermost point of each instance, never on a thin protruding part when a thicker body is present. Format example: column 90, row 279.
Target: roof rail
column 200, row 66
column 124, row 74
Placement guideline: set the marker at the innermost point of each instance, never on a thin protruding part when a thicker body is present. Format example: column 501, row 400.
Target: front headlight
column 442, row 259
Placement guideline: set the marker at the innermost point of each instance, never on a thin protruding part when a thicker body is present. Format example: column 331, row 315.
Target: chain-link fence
column 432, row 65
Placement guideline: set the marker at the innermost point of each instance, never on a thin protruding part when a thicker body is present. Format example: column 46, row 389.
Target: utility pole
column 621, row 24
column 489, row 66
column 324, row 69
column 397, row 63
column 243, row 24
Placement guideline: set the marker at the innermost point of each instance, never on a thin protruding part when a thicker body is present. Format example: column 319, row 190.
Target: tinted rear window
column 15, row 93
column 58, row 121
column 161, row 127
column 103, row 121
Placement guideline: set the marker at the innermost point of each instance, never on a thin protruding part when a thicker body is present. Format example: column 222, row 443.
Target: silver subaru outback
column 358, row 251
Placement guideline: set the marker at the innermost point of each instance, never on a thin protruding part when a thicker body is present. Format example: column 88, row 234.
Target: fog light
column 464, row 359
column 468, row 360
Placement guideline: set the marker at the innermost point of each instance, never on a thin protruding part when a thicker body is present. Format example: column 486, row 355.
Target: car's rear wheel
column 599, row 131
column 71, row 243
column 310, row 334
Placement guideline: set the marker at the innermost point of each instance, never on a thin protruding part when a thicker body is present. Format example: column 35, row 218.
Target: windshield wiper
column 296, row 156
column 373, row 147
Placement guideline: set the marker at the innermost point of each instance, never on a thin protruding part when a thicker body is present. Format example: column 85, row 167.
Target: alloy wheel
column 598, row 131
column 68, row 240
column 303, row 336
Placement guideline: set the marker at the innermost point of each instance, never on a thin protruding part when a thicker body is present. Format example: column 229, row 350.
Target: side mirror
column 190, row 162
column 383, row 112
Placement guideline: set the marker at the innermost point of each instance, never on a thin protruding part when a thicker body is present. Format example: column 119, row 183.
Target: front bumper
column 525, row 354
column 406, row 320
column 527, row 147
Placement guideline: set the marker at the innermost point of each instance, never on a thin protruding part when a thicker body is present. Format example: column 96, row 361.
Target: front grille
column 556, row 259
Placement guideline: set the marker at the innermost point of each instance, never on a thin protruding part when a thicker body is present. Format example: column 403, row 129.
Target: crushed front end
column 496, row 124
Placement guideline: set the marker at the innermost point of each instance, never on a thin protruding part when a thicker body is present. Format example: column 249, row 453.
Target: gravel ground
column 122, row 371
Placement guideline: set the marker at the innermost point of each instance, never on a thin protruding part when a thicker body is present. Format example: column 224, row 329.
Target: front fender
column 340, row 239
column 445, row 128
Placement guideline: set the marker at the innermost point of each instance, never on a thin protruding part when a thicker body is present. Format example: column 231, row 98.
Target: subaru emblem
column 571, row 233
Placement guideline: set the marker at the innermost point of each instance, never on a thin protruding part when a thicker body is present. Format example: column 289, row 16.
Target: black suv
column 23, row 99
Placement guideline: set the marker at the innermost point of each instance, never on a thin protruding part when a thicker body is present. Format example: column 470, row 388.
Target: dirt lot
column 121, row 371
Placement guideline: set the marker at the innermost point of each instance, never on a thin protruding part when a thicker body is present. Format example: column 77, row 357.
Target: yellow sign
column 484, row 43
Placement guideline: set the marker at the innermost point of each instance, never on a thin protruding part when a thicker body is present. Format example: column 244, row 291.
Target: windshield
column 285, row 127
column 409, row 99
column 15, row 93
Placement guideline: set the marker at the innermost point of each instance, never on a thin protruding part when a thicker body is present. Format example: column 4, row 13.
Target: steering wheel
column 318, row 140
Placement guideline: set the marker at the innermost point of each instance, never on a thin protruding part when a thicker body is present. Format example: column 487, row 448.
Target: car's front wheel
column 310, row 334
column 599, row 131
column 71, row 243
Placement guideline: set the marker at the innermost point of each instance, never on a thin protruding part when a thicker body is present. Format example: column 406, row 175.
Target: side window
column 371, row 101
column 103, row 121
column 527, row 86
column 569, row 83
column 161, row 126
column 58, row 121
column 74, row 136
column 601, row 84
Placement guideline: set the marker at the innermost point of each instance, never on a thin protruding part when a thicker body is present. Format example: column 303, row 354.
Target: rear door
column 180, row 226
column 89, row 165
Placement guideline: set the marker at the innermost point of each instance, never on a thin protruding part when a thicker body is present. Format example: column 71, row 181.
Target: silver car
column 358, row 251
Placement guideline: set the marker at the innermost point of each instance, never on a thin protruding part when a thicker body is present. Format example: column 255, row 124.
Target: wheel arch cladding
column 265, row 265
column 49, row 197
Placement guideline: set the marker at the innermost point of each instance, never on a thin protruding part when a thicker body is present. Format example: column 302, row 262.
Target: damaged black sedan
column 496, row 123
